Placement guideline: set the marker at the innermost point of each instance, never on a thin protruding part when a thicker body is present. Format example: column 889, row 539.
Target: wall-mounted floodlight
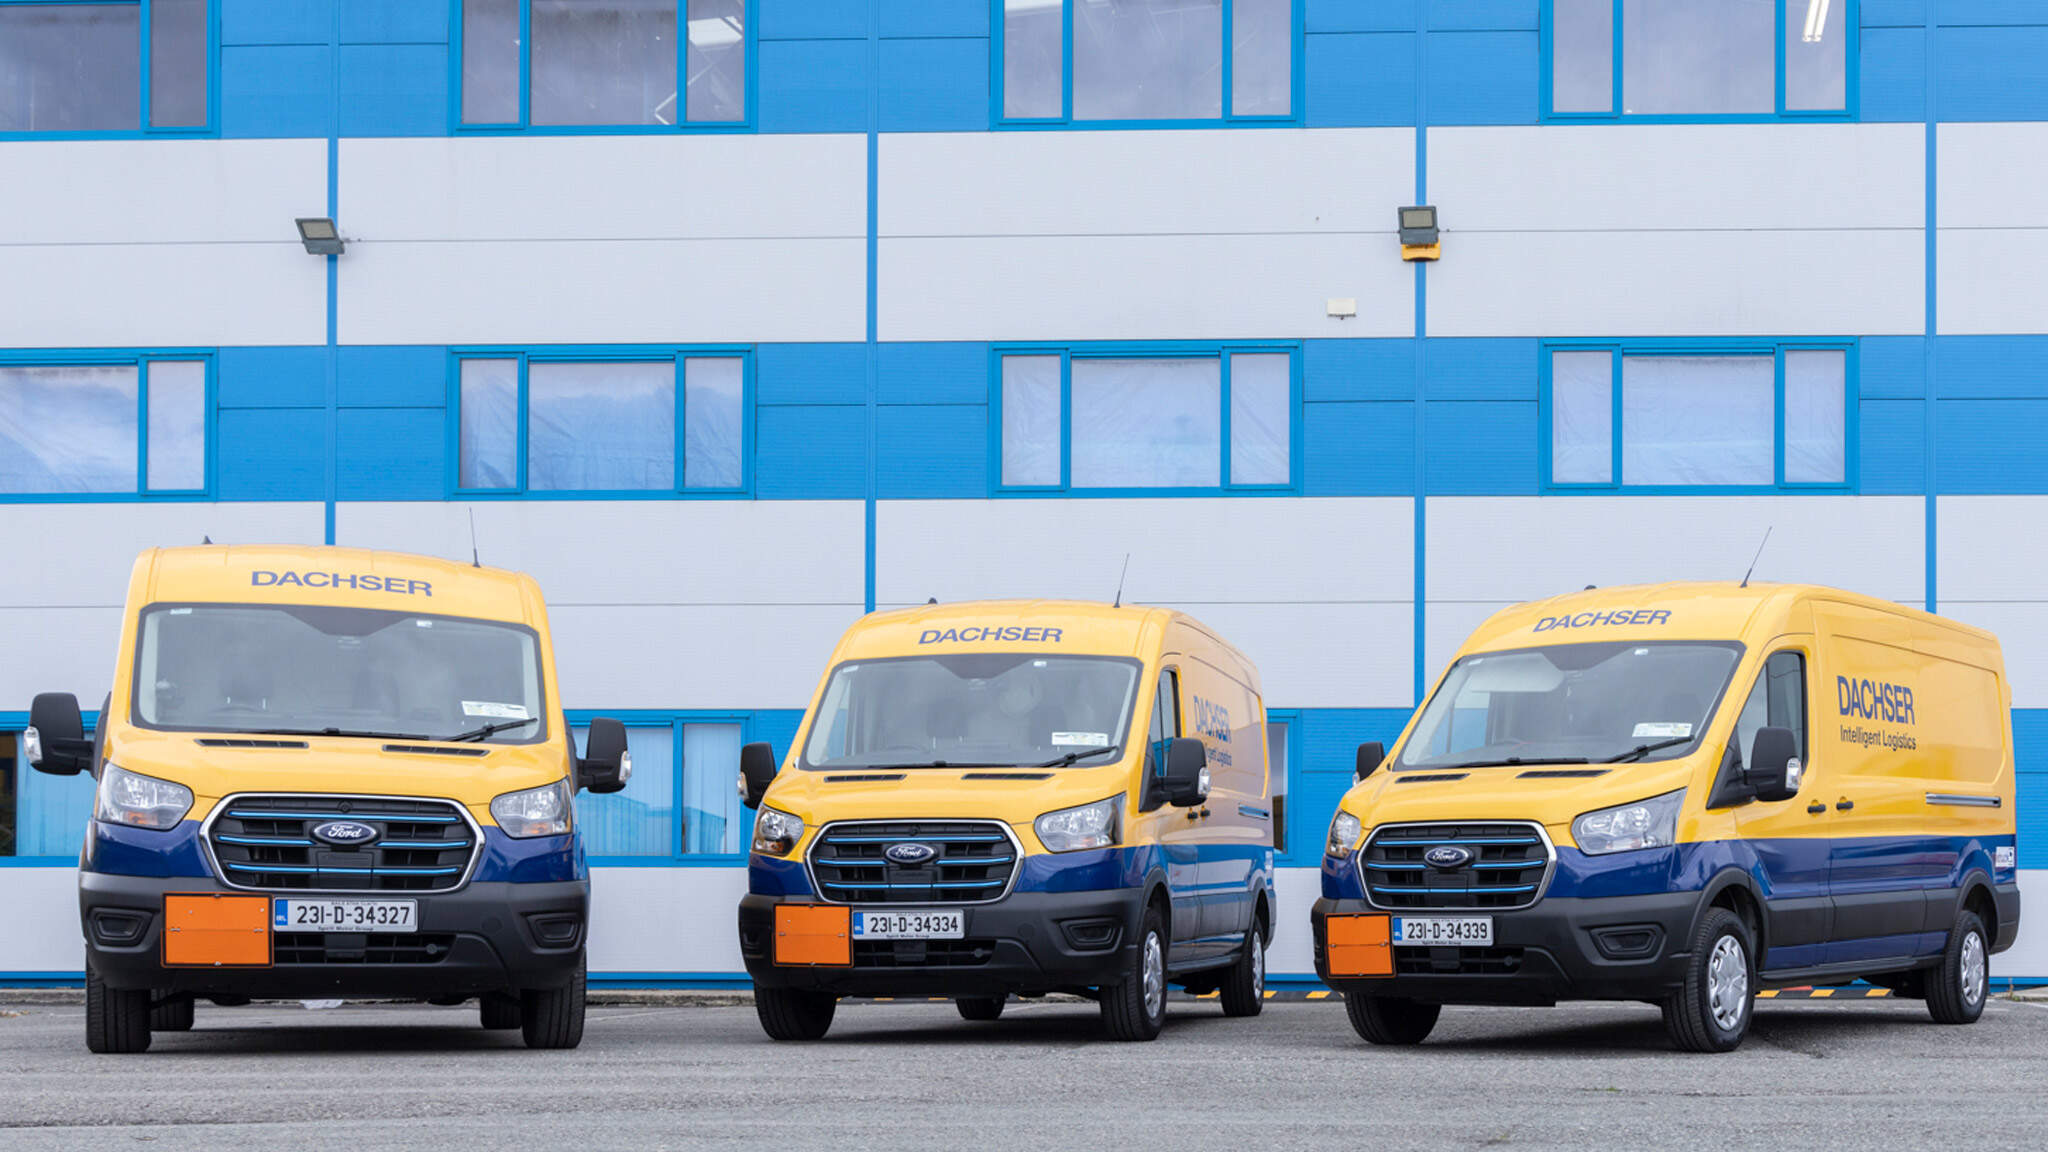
column 320, row 236
column 1419, row 233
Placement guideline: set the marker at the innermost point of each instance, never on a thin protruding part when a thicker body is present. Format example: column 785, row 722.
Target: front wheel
column 172, row 1014
column 1711, row 1011
column 1135, row 1007
column 553, row 1017
column 116, row 1019
column 794, row 1013
column 1244, row 989
column 1390, row 1020
column 498, row 1011
column 1956, row 989
column 980, row 1007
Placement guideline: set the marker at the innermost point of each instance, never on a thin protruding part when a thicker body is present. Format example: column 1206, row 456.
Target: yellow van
column 330, row 772
column 1015, row 797
column 1679, row 794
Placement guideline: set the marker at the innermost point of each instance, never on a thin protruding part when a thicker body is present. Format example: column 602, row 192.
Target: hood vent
column 864, row 778
column 1433, row 779
column 220, row 742
column 1561, row 773
column 1006, row 776
column 430, row 750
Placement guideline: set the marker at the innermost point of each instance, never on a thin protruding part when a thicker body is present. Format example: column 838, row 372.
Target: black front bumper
column 1034, row 942
column 1541, row 955
column 484, row 937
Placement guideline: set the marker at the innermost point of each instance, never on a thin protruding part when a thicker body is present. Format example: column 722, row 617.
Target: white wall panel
column 1989, row 558
column 1992, row 175
column 2022, row 631
column 692, row 928
column 43, row 903
column 694, row 656
column 1993, row 281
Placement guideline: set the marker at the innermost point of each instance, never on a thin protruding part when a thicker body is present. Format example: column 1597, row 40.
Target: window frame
column 1297, row 87
column 1177, row 350
column 1618, row 350
column 527, row 356
column 525, row 125
column 16, row 722
column 1852, row 32
column 674, row 720
column 143, row 130
column 140, row 359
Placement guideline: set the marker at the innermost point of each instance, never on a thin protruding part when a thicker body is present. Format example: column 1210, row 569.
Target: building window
column 132, row 425
column 653, row 422
column 116, row 67
column 1750, row 59
column 1141, row 61
column 1188, row 420
column 1728, row 416
column 570, row 64
column 680, row 801
column 41, row 816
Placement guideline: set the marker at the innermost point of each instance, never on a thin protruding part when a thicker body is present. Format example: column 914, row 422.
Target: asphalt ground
column 1856, row 1074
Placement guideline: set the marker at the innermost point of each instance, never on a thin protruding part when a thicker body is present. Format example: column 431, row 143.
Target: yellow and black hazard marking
column 1856, row 992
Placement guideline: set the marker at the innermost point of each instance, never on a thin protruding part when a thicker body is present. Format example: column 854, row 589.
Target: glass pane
column 10, row 763
column 1815, row 413
column 601, row 426
column 713, row 821
column 177, row 63
column 177, row 425
column 1698, row 420
column 1581, row 417
column 1033, row 60
column 1031, row 420
column 68, row 429
column 1261, row 423
column 1262, row 57
column 717, row 60
column 604, row 62
column 639, row 820
column 712, row 420
column 1582, row 56
column 1147, row 423
column 1148, row 59
column 1815, row 50
column 70, row 67
column 490, row 61
column 1682, row 56
column 1276, row 776
column 489, row 433
column 53, row 812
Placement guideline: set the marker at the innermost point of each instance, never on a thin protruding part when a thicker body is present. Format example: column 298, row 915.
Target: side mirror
column 1187, row 772
column 55, row 739
column 757, row 772
column 1774, row 768
column 605, row 765
column 1370, row 755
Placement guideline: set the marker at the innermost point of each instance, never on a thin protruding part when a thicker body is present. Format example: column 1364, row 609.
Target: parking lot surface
column 894, row 1076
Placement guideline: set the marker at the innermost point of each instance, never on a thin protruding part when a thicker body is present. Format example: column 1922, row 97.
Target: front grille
column 974, row 863
column 267, row 842
column 1457, row 961
column 1506, row 870
column 374, row 948
column 922, row 953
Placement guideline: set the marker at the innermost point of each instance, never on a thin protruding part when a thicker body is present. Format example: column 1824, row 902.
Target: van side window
column 1165, row 718
column 1777, row 701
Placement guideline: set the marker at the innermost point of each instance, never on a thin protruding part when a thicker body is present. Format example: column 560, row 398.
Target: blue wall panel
column 810, row 452
column 813, row 85
column 778, row 726
column 282, row 21
column 1993, row 73
column 394, row 89
column 1358, row 370
column 1991, row 446
column 1473, row 368
column 946, row 373
column 1360, row 78
column 271, row 454
column 407, row 376
column 272, row 92
column 1358, row 449
column 1480, row 448
column 1893, row 13
column 813, row 19
column 1485, row 14
column 1483, row 77
column 935, row 18
column 1323, row 747
column 390, row 454
column 1991, row 367
column 1892, row 367
column 1893, row 84
column 271, row 378
column 1990, row 12
column 1891, row 447
column 394, row 22
column 2030, row 758
column 930, row 451
column 1358, row 16
column 811, row 374
column 935, row 85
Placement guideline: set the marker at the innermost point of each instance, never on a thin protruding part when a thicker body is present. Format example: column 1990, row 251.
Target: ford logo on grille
column 1447, row 856
column 343, row 833
column 910, row 855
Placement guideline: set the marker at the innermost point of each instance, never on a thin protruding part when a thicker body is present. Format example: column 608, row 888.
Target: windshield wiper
column 1642, row 750
column 485, row 731
column 1507, row 762
column 1071, row 757
column 338, row 732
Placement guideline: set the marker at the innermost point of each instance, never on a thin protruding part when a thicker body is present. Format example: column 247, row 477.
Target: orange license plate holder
column 813, row 936
column 216, row 930
column 1359, row 945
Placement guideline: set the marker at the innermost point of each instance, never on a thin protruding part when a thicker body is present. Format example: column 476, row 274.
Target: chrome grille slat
column 976, row 864
column 265, row 842
column 1509, row 868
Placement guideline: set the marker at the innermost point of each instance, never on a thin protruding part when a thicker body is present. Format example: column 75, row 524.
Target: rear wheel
column 980, row 1007
column 1135, row 1007
column 1711, row 1011
column 498, row 1011
column 1956, row 990
column 553, row 1017
column 1390, row 1020
column 794, row 1013
column 172, row 1015
column 116, row 1019
column 1244, row 989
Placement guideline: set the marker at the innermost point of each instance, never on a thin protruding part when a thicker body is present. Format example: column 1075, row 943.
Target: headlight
column 775, row 833
column 1651, row 823
column 542, row 811
column 139, row 801
column 1344, row 832
column 1072, row 829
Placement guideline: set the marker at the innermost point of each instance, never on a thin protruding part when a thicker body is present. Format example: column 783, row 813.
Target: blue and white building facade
column 730, row 320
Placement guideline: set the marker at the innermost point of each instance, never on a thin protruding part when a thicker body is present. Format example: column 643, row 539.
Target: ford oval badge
column 343, row 833
column 1447, row 856
column 910, row 855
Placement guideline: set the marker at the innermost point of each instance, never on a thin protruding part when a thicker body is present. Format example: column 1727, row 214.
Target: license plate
column 299, row 914
column 1444, row 931
column 950, row 924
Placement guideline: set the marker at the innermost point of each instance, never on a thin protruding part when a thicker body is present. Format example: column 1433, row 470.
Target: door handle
column 1844, row 805
column 1816, row 808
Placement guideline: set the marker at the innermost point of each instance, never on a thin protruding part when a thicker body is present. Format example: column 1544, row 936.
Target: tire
column 1711, row 1011
column 980, row 1007
column 1390, row 1020
column 172, row 1015
column 116, row 1019
column 1244, row 988
column 1956, row 990
column 553, row 1017
column 794, row 1013
column 498, row 1011
column 1135, row 1007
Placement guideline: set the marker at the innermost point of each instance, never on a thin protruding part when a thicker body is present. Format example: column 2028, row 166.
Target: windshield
column 1571, row 703
column 980, row 709
column 306, row 670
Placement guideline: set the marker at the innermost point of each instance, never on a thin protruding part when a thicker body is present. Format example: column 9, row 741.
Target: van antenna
column 206, row 539
column 1759, row 555
column 474, row 560
column 1120, row 581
